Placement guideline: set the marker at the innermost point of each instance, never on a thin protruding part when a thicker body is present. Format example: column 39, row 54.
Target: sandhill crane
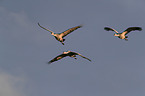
column 123, row 34
column 67, row 53
column 60, row 36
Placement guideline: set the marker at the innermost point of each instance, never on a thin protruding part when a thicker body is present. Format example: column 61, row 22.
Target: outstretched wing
column 110, row 29
column 57, row 58
column 82, row 56
column 63, row 34
column 132, row 29
column 45, row 28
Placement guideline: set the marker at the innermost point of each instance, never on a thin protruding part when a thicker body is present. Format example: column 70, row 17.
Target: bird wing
column 63, row 34
column 82, row 56
column 110, row 29
column 57, row 58
column 45, row 28
column 132, row 29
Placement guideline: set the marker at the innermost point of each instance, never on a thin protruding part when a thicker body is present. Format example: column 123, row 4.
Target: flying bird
column 60, row 36
column 123, row 34
column 65, row 54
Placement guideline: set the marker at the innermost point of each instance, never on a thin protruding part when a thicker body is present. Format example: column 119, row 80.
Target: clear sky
column 117, row 67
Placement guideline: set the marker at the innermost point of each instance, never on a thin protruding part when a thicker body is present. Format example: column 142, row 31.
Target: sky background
column 117, row 67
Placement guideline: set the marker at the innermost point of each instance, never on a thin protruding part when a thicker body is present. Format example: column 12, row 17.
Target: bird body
column 60, row 36
column 67, row 53
column 123, row 34
column 120, row 35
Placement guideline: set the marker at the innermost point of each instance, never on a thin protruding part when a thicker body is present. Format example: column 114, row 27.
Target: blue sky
column 117, row 67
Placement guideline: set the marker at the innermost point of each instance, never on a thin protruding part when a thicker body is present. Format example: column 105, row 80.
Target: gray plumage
column 65, row 54
column 60, row 36
column 124, row 33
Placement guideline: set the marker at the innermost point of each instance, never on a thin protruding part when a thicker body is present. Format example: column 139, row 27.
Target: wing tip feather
column 107, row 28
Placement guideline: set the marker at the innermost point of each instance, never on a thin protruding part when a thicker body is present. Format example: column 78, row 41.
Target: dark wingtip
column 38, row 23
column 90, row 60
column 106, row 28
column 139, row 28
column 49, row 62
